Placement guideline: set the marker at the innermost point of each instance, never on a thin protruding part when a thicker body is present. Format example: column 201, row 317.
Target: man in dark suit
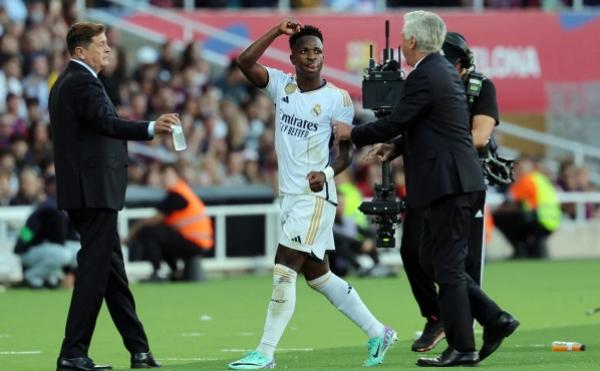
column 483, row 109
column 444, row 181
column 90, row 151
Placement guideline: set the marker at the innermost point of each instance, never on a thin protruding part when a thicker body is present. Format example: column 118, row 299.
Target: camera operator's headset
column 474, row 80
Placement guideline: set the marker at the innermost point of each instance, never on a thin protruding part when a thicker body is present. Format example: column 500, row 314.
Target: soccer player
column 306, row 104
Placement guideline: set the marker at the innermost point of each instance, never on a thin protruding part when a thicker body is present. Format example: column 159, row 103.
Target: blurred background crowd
column 228, row 123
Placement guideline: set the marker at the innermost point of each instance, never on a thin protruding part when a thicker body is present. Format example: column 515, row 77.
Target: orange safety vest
column 192, row 221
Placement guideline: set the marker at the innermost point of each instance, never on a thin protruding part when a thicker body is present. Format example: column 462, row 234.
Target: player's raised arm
column 248, row 60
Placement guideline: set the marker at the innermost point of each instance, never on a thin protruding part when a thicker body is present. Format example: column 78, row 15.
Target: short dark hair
column 81, row 34
column 306, row 30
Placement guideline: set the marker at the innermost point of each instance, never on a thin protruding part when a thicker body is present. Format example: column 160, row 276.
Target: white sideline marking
column 24, row 352
column 277, row 350
column 532, row 345
column 193, row 334
column 245, row 334
column 187, row 359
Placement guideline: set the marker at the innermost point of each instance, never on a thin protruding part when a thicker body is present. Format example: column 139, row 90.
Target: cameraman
column 483, row 109
column 444, row 181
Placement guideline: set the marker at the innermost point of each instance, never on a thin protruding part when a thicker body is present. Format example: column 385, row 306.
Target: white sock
column 280, row 309
column 346, row 300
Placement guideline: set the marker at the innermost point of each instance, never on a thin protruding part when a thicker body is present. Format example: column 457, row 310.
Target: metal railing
column 580, row 151
column 220, row 214
column 12, row 218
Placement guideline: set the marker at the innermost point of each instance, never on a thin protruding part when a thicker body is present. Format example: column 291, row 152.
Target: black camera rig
column 381, row 89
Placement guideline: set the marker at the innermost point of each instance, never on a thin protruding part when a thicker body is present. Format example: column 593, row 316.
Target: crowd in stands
column 359, row 5
column 229, row 125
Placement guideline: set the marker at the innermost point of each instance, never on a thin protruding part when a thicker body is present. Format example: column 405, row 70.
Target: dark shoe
column 79, row 364
column 144, row 360
column 450, row 357
column 494, row 334
column 155, row 278
column 432, row 334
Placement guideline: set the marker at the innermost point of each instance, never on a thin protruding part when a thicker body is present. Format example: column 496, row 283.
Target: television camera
column 381, row 89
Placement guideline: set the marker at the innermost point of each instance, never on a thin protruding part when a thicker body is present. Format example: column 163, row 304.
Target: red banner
column 521, row 51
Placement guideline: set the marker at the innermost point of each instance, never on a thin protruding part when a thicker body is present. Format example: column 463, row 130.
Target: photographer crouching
column 444, row 182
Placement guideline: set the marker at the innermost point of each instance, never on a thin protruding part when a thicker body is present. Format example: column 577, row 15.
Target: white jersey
column 303, row 131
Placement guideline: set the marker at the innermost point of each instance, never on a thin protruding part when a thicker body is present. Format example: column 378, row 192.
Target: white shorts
column 307, row 224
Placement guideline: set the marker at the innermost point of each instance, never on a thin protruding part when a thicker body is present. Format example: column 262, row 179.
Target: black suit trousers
column 100, row 275
column 447, row 224
column 421, row 281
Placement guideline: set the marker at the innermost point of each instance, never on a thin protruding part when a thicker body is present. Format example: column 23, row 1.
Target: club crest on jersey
column 316, row 110
column 290, row 88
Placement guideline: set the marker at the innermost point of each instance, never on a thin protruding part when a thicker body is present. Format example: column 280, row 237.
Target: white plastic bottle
column 178, row 137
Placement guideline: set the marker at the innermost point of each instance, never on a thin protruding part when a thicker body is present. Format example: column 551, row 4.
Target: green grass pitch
column 205, row 326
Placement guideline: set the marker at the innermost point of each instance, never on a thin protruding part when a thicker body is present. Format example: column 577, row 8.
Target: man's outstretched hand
column 342, row 131
column 163, row 123
column 381, row 152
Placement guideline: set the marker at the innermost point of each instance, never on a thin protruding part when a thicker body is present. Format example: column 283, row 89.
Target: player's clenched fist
column 316, row 180
column 289, row 26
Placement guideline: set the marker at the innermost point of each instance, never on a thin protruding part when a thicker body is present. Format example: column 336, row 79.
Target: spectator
column 532, row 214
column 10, row 78
column 20, row 150
column 251, row 170
column 6, row 130
column 168, row 61
column 111, row 76
column 305, row 4
column 35, row 85
column 40, row 146
column 584, row 185
column 5, row 191
column 47, row 243
column 258, row 3
column 212, row 3
column 15, row 9
column 195, row 70
column 235, row 170
column 15, row 108
column 567, row 182
column 259, row 111
column 30, row 190
column 180, row 229
column 34, row 112
column 234, row 84
column 7, row 164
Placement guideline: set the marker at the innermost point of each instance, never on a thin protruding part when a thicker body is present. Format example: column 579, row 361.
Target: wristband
column 329, row 173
